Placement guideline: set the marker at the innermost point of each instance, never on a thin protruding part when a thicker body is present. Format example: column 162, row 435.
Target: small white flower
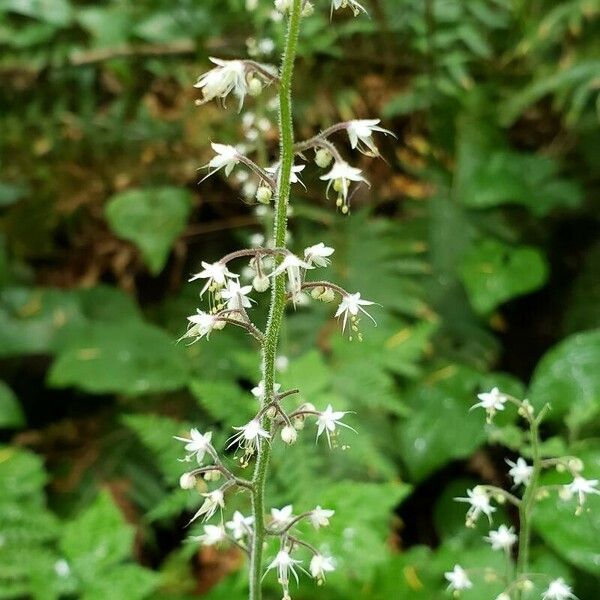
column 228, row 76
column 504, row 538
column 558, row 590
column 520, row 471
column 281, row 517
column 581, row 487
column 197, row 444
column 282, row 363
column 213, row 534
column 216, row 275
column 285, row 565
column 492, row 401
column 479, row 500
column 201, row 324
column 187, row 481
column 458, row 578
column 62, row 568
column 249, row 436
column 227, row 157
column 319, row 565
column 236, row 295
column 319, row 517
column 289, row 435
column 360, row 133
column 352, row 4
column 328, row 420
column 259, row 390
column 292, row 265
column 240, row 525
column 340, row 177
column 213, row 501
column 318, row 254
column 350, row 307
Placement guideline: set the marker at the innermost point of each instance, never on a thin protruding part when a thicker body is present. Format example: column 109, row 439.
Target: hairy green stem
column 278, row 295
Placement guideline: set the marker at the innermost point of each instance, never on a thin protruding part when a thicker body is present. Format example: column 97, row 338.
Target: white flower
column 360, row 133
column 227, row 157
column 352, row 4
column 479, row 500
column 458, row 578
column 319, row 565
column 285, row 565
column 293, row 175
column 259, row 390
column 228, row 76
column 581, row 487
column 318, row 254
column 62, row 568
column 558, row 590
column 201, row 324
column 240, row 525
column 319, row 517
column 520, row 471
column 504, row 538
column 249, row 436
column 281, row 517
column 236, row 295
column 197, row 444
column 289, row 435
column 349, row 307
column 187, row 481
column 216, row 275
column 283, row 5
column 340, row 177
column 292, row 265
column 213, row 534
column 328, row 420
column 491, row 401
column 214, row 500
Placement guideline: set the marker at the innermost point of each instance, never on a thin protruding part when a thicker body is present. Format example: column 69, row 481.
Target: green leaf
column 57, row 12
column 574, row 538
column 568, row 378
column 129, row 358
column 493, row 273
column 151, row 218
column 123, row 582
column 11, row 414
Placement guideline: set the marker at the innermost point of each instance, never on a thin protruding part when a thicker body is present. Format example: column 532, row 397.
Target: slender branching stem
column 278, row 295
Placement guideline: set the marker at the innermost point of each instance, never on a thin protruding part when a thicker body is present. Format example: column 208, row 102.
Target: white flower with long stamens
column 352, row 4
column 293, row 174
column 201, row 324
column 360, row 133
column 227, row 157
column 458, row 578
column 240, row 525
column 318, row 255
column 504, row 538
column 319, row 517
column 319, row 565
column 559, row 590
column 292, row 265
column 216, row 275
column 492, row 401
column 236, row 295
column 281, row 517
column 581, row 487
column 213, row 534
column 197, row 444
column 328, row 420
column 520, row 471
column 285, row 565
column 228, row 76
column 340, row 177
column 249, row 437
column 258, row 391
column 479, row 500
column 213, row 502
column 349, row 308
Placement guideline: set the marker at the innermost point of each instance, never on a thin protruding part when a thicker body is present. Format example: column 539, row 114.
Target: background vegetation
column 478, row 237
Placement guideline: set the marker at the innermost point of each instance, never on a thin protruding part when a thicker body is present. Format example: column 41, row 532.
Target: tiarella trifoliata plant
column 527, row 489
column 228, row 302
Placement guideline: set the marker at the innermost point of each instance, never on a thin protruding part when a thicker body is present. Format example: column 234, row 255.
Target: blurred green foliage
column 478, row 239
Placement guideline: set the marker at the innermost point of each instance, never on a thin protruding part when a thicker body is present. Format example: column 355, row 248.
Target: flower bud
column 219, row 324
column 271, row 412
column 255, row 87
column 213, row 475
column 308, row 9
column 264, row 194
column 289, row 435
column 261, row 283
column 299, row 422
column 187, row 481
column 323, row 294
column 338, row 185
column 323, row 158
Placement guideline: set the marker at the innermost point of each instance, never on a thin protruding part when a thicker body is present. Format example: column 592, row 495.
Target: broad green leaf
column 129, row 358
column 151, row 218
column 493, row 273
column 11, row 414
column 568, row 378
